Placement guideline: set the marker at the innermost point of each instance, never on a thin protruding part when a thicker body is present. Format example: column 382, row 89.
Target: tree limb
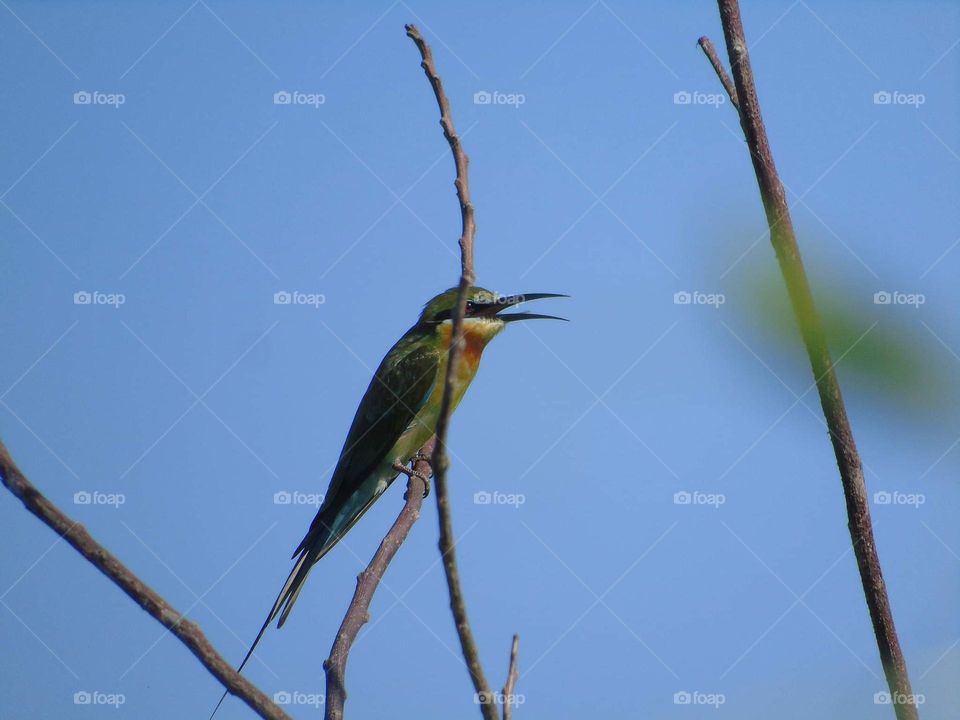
column 743, row 95
column 468, row 644
column 187, row 632
column 367, row 581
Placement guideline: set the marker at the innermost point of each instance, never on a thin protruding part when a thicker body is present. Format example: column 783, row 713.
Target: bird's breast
column 476, row 335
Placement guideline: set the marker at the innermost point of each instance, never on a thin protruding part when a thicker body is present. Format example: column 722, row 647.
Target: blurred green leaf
column 895, row 361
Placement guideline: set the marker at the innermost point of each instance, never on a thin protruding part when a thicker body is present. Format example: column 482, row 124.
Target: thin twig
column 711, row 52
column 841, row 435
column 187, row 632
column 460, row 159
column 513, row 674
column 468, row 644
column 358, row 613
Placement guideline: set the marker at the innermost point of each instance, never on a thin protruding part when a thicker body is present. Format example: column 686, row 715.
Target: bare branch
column 187, row 632
column 367, row 581
column 468, row 644
column 512, row 676
column 841, row 435
column 460, row 159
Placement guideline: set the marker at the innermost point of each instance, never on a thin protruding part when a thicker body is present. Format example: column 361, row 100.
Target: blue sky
column 178, row 198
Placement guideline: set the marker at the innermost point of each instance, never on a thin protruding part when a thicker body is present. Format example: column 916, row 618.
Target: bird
column 396, row 417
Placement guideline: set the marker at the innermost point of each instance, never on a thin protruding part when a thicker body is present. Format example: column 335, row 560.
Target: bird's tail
column 324, row 533
column 318, row 541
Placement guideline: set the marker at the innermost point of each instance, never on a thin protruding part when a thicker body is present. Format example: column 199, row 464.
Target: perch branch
column 367, row 581
column 782, row 237
column 458, row 606
column 187, row 632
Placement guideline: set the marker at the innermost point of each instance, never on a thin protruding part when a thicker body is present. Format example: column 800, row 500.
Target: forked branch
column 743, row 96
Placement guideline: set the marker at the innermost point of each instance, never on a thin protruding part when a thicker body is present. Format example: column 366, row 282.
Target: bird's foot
column 427, row 458
column 413, row 473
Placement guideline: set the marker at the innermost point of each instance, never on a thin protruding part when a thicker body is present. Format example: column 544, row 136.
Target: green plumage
column 396, row 417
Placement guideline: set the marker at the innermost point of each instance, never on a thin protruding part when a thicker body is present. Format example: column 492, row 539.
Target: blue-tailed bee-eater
column 397, row 416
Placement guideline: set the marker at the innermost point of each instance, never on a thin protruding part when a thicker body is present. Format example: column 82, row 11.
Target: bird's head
column 484, row 307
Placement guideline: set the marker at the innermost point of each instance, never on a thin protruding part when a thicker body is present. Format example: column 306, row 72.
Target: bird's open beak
column 507, row 301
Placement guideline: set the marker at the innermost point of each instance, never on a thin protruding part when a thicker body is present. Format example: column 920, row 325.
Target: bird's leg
column 413, row 473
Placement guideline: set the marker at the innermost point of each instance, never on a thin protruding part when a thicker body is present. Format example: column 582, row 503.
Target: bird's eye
column 470, row 306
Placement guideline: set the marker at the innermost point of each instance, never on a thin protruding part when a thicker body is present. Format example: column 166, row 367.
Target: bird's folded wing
column 397, row 392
